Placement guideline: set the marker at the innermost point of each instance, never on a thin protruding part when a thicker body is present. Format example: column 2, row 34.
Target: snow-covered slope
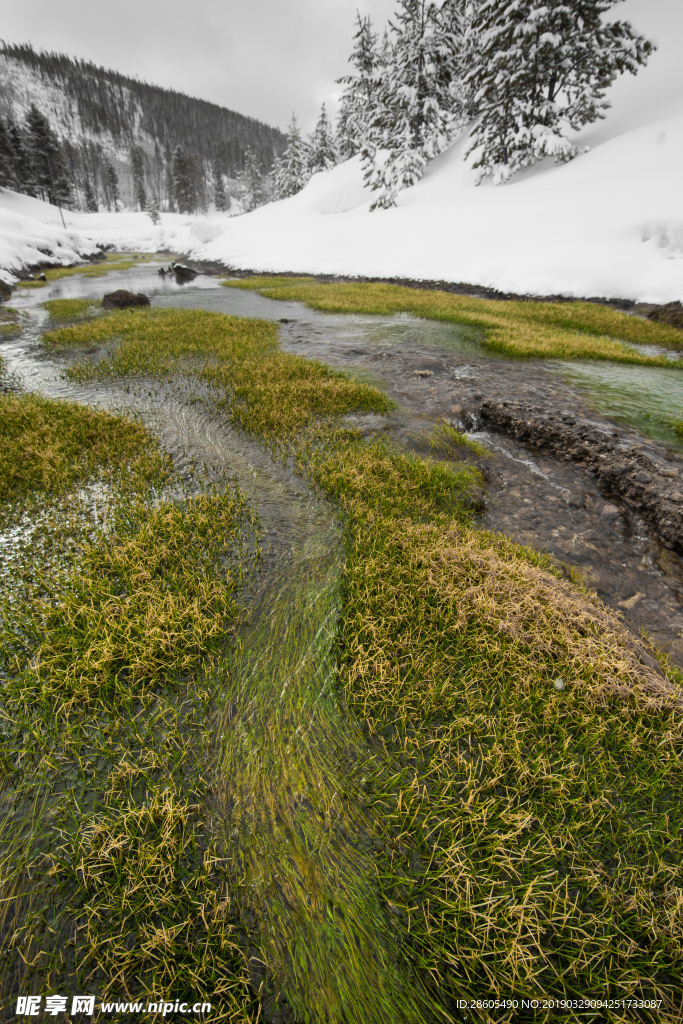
column 609, row 223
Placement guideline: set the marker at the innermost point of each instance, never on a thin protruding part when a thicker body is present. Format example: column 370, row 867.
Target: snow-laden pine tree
column 539, row 70
column 47, row 162
column 184, row 181
column 220, row 197
column 415, row 116
column 252, row 185
column 358, row 98
column 111, row 185
column 153, row 209
column 7, row 158
column 292, row 172
column 322, row 152
column 23, row 171
column 89, row 197
column 137, row 159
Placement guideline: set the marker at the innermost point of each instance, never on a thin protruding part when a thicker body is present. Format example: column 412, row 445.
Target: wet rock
column 631, row 474
column 422, row 373
column 671, row 313
column 576, row 501
column 122, row 299
column 183, row 273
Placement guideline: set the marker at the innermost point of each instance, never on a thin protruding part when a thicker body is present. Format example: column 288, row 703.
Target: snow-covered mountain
column 99, row 116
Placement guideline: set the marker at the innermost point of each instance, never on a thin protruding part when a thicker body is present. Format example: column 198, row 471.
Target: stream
column 286, row 748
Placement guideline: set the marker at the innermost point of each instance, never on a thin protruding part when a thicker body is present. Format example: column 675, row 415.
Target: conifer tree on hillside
column 153, row 209
column 22, row 158
column 292, row 172
column 7, row 158
column 220, row 197
column 322, row 152
column 89, row 197
column 47, row 164
column 538, row 70
column 414, row 117
column 111, row 184
column 252, row 185
column 358, row 98
column 137, row 159
column 185, row 181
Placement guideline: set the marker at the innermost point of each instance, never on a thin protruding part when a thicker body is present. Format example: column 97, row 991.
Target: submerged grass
column 543, row 330
column 521, row 771
column 107, row 631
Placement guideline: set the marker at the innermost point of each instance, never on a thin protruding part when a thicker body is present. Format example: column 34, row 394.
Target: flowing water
column 290, row 802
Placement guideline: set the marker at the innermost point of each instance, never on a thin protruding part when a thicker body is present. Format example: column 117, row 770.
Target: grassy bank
column 118, row 589
column 521, row 775
column 542, row 330
column 111, row 261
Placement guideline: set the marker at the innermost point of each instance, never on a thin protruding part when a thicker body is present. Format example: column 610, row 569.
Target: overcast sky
column 263, row 58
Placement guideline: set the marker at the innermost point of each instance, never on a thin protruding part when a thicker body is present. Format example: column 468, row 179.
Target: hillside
column 100, row 116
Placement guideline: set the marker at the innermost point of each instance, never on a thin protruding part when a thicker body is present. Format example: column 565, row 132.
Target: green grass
column 514, row 780
column 9, row 322
column 269, row 392
column 49, row 446
column 109, row 624
column 542, row 330
column 70, row 309
column 112, row 261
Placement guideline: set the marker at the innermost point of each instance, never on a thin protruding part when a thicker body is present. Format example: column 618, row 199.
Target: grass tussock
column 112, row 261
column 50, row 446
column 542, row 330
column 9, row 322
column 70, row 309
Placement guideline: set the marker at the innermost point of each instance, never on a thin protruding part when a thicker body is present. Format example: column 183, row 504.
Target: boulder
column 122, row 299
column 671, row 313
column 183, row 273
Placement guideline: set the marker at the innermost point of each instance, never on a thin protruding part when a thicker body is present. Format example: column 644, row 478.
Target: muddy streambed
column 552, row 429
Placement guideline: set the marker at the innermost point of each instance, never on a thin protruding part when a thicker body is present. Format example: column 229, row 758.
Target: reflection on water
column 646, row 397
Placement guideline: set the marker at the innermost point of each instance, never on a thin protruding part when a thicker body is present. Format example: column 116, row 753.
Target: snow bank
column 31, row 232
column 610, row 223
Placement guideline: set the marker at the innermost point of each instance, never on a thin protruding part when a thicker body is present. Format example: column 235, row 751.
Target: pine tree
column 293, row 169
column 184, row 181
column 23, row 171
column 7, row 158
column 89, row 197
column 359, row 96
column 414, row 117
column 220, row 197
column 322, row 153
column 153, row 209
column 137, row 159
column 47, row 162
column 252, row 185
column 539, row 70
column 111, row 181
